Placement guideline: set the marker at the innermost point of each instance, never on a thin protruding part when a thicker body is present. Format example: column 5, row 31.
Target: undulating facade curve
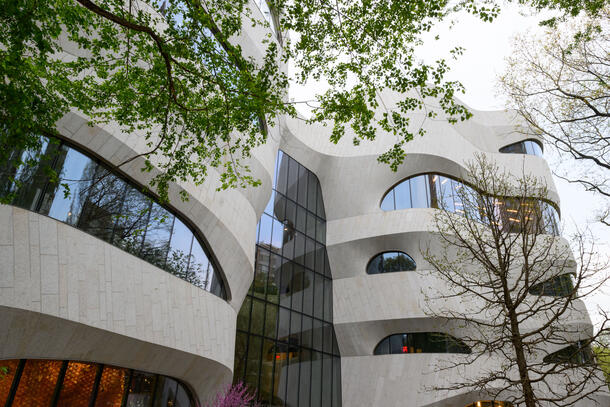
column 305, row 287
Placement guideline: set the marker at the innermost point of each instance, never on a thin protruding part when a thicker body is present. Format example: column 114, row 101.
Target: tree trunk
column 528, row 391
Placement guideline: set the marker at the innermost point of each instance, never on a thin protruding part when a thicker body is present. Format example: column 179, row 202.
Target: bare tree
column 511, row 288
column 560, row 85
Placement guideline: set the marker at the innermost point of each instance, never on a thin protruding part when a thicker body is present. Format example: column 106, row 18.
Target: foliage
column 603, row 359
column 488, row 264
column 4, row 371
column 172, row 73
column 237, row 395
column 560, row 84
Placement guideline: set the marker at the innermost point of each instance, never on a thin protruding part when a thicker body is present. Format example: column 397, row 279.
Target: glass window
column 278, row 237
column 166, row 392
column 390, row 262
column 320, row 205
column 388, row 202
column 31, row 180
column 91, row 197
column 6, row 379
column 301, row 224
column 305, row 375
column 183, row 398
column 419, row 192
column 77, row 385
column 157, row 236
column 316, row 379
column 297, row 301
column 445, row 194
column 37, row 383
column 286, row 285
column 102, row 209
column 141, row 390
column 253, row 361
column 523, row 147
column 282, row 173
column 402, row 195
column 559, row 286
column 293, row 179
column 327, row 380
column 40, row 383
column 199, row 271
column 112, row 387
column 383, row 347
column 65, row 201
column 312, row 192
column 302, row 191
column 266, row 380
column 577, row 354
column 436, row 191
column 257, row 317
column 271, row 313
column 490, row 403
column 420, row 342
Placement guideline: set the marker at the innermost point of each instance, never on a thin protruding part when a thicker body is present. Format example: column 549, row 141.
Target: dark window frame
column 59, row 141
column 380, row 255
column 450, row 341
column 523, row 147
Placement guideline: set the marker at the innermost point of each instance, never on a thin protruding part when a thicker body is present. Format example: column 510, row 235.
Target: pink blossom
column 237, row 395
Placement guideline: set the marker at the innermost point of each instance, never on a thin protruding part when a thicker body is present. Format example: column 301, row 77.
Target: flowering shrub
column 237, row 395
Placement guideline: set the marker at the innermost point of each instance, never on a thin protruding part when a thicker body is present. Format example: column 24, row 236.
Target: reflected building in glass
column 286, row 346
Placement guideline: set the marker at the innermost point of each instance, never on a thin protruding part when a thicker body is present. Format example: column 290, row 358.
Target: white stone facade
column 65, row 294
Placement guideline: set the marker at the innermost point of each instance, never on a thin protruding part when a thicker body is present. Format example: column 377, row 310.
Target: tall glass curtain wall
column 436, row 191
column 90, row 197
column 286, row 346
column 63, row 383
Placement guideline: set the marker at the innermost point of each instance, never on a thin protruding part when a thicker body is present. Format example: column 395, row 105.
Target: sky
column 487, row 46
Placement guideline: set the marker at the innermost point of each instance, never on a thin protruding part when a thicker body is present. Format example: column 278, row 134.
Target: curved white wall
column 367, row 308
column 68, row 295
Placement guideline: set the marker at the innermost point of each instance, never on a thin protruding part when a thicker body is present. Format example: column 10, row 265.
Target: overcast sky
column 487, row 45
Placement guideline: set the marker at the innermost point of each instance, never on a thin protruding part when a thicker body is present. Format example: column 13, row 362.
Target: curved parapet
column 368, row 307
column 226, row 219
column 101, row 304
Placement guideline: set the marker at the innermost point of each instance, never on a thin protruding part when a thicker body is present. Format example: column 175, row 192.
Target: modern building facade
column 302, row 287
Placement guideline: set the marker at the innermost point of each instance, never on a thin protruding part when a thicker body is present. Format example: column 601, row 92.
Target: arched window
column 530, row 147
column 558, row 286
column 579, row 353
column 40, row 382
column 421, row 342
column 390, row 262
column 490, row 403
column 439, row 191
column 90, row 196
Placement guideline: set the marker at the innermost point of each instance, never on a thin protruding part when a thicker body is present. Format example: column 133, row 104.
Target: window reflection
column 439, row 191
column 577, row 354
column 286, row 345
column 92, row 198
column 490, row 403
column 558, row 286
column 530, row 147
column 390, row 262
column 421, row 342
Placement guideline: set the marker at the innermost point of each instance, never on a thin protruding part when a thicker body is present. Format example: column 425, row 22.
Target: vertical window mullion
column 127, row 387
column 150, row 205
column 15, row 384
column 59, row 384
column 96, row 384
